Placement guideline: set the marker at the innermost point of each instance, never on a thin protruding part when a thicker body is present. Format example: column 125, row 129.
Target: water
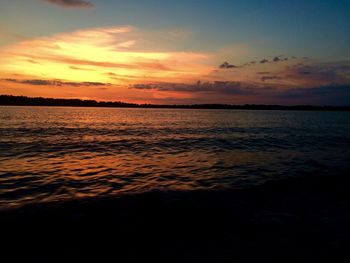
column 56, row 153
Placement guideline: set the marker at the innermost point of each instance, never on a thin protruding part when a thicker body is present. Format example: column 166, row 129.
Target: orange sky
column 131, row 64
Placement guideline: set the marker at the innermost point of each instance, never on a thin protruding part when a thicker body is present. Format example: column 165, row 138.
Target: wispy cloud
column 72, row 3
column 113, row 49
column 45, row 82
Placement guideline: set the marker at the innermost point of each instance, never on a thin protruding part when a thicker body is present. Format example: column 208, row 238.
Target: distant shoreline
column 9, row 100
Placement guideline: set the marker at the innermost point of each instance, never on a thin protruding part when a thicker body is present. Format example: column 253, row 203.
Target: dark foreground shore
column 294, row 220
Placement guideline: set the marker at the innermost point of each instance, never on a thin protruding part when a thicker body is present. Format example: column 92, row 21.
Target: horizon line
column 21, row 100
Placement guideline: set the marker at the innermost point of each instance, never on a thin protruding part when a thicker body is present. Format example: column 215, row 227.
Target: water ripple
column 53, row 154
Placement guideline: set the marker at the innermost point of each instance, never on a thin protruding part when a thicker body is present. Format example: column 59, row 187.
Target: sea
column 55, row 154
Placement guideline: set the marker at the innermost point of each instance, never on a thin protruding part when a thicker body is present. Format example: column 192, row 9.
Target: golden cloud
column 99, row 50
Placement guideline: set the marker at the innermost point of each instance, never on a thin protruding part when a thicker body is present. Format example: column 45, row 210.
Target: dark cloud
column 248, row 64
column 33, row 61
column 72, row 3
column 227, row 65
column 44, row 82
column 322, row 90
column 265, row 78
column 279, row 58
column 79, row 68
column 146, row 86
column 111, row 74
column 264, row 73
column 321, row 72
column 324, row 95
column 225, row 90
column 124, row 77
column 216, row 87
column 304, row 72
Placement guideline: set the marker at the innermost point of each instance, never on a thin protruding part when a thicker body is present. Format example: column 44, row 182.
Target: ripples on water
column 52, row 153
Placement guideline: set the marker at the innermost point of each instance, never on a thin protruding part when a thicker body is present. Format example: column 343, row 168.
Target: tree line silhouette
column 11, row 100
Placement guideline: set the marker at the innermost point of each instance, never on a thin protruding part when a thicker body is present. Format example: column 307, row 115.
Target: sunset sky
column 177, row 52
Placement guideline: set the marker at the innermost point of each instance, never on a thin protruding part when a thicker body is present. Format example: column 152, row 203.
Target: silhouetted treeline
column 27, row 101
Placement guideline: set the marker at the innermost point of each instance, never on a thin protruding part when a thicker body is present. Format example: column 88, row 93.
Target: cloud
column 216, row 87
column 274, row 60
column 264, row 73
column 99, row 50
column 263, row 61
column 72, row 3
column 99, row 56
column 282, row 73
column 319, row 73
column 231, row 92
column 32, row 61
column 322, row 95
column 249, row 64
column 227, row 65
column 279, row 58
column 45, row 82
column 265, row 78
column 124, row 77
column 316, row 91
column 80, row 68
column 105, row 64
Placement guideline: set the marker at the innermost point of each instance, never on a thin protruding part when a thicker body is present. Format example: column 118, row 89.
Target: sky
column 177, row 52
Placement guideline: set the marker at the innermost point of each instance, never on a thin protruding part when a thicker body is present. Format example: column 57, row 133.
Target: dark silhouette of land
column 303, row 219
column 27, row 101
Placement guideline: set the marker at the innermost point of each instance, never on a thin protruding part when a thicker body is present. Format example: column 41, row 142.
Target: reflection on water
column 52, row 153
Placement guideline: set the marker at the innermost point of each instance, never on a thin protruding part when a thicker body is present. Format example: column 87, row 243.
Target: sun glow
column 134, row 65
column 101, row 54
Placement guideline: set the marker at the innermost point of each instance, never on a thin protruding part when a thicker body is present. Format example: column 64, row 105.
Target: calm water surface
column 53, row 153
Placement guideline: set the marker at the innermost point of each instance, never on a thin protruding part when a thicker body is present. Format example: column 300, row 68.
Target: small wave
column 61, row 156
